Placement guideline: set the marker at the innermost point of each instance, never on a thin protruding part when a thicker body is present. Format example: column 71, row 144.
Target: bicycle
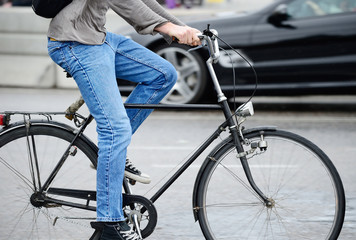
column 256, row 183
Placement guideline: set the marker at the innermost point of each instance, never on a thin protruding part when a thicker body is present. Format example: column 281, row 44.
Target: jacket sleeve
column 143, row 15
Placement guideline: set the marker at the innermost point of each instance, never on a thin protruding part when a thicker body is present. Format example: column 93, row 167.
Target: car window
column 315, row 8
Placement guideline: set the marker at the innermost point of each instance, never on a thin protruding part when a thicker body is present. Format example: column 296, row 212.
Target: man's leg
column 155, row 76
column 93, row 69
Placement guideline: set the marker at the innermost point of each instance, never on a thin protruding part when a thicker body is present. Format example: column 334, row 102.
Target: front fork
column 242, row 155
column 234, row 130
column 236, row 134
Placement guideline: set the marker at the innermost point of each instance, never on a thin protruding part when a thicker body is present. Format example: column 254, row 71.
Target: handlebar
column 210, row 40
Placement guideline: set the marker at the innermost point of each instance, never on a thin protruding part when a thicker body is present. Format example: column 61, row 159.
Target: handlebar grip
column 74, row 107
column 199, row 35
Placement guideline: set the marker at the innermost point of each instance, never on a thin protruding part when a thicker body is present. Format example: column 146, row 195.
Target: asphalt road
column 167, row 138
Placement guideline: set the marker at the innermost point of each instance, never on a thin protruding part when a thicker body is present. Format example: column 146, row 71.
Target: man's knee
column 117, row 129
column 171, row 75
column 164, row 77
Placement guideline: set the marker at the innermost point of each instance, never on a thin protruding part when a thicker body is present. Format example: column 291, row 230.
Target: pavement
column 166, row 138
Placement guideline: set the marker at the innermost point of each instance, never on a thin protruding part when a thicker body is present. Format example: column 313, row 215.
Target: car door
column 296, row 46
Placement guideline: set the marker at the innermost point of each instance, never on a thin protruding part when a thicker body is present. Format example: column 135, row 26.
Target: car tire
column 191, row 70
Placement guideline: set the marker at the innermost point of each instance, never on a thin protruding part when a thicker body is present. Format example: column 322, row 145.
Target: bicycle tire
column 19, row 218
column 303, row 184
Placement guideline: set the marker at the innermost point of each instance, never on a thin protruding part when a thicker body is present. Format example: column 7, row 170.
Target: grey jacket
column 84, row 20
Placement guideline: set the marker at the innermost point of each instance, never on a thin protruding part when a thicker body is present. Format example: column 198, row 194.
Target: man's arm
column 148, row 17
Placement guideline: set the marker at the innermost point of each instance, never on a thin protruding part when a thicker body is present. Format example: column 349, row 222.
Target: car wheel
column 191, row 70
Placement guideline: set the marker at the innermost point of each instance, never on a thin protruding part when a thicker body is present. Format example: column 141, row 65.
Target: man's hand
column 184, row 34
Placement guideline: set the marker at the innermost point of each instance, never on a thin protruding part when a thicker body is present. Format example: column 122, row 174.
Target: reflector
column 2, row 120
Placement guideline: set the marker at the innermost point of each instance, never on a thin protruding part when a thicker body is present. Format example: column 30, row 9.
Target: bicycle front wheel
column 22, row 216
column 300, row 181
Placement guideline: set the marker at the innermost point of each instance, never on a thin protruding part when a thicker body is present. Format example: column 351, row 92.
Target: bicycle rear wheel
column 304, row 187
column 22, row 217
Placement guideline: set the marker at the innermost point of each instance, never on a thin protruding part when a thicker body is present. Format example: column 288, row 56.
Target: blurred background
column 303, row 51
column 297, row 47
column 24, row 61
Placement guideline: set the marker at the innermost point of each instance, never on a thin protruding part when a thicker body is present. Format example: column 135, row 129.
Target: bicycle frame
column 91, row 195
column 228, row 123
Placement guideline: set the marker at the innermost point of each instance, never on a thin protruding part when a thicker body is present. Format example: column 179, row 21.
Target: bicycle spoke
column 304, row 198
column 229, row 205
column 35, row 214
column 18, row 217
column 17, row 173
column 246, row 185
column 281, row 222
column 26, row 160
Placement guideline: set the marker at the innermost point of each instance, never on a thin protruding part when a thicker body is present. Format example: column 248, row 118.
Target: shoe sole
column 137, row 178
column 132, row 176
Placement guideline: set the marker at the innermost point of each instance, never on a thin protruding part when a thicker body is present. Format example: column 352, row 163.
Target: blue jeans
column 95, row 69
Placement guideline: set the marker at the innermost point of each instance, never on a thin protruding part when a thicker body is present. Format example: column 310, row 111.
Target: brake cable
column 233, row 70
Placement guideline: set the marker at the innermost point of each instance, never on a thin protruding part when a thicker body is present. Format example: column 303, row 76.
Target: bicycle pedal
column 132, row 182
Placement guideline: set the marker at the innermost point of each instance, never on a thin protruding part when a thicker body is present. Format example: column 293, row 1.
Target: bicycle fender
column 21, row 124
column 227, row 140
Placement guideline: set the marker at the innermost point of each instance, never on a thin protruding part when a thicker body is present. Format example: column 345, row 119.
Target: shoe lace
column 130, row 235
column 130, row 165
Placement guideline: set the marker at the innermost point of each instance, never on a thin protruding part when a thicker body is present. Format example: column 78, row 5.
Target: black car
column 297, row 47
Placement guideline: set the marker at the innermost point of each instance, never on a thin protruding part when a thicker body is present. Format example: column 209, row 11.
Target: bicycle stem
column 220, row 94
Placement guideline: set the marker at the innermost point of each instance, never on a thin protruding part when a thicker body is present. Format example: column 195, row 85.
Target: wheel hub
column 270, row 203
column 37, row 200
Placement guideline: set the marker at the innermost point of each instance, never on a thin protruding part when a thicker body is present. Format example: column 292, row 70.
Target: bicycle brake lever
column 196, row 48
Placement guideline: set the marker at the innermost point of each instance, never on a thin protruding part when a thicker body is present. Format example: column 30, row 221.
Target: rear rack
column 5, row 117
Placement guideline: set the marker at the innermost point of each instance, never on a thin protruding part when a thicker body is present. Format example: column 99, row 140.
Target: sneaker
column 118, row 231
column 133, row 173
